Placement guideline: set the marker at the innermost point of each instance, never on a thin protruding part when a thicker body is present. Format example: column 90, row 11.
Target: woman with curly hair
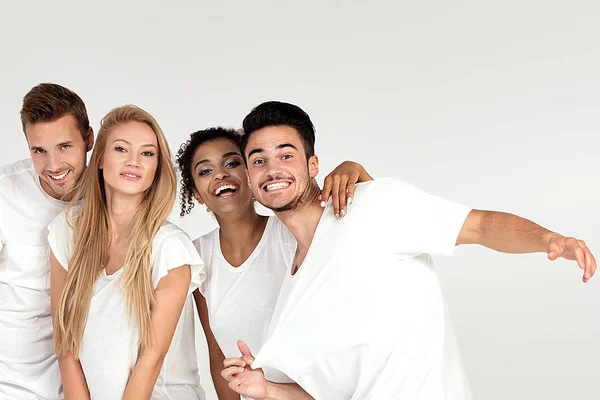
column 247, row 255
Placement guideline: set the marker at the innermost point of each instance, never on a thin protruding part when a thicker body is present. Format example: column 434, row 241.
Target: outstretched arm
column 509, row 233
column 252, row 383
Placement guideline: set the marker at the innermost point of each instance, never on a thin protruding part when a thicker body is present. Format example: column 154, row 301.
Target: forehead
column 270, row 137
column 215, row 149
column 46, row 134
column 136, row 133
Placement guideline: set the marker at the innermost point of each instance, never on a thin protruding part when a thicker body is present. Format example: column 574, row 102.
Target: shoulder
column 205, row 243
column 383, row 185
column 17, row 172
column 172, row 248
column 170, row 231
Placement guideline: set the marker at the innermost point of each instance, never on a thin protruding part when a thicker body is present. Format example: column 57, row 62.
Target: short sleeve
column 199, row 244
column 60, row 239
column 172, row 248
column 415, row 221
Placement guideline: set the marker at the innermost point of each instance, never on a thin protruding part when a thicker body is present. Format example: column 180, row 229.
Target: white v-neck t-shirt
column 109, row 349
column 28, row 365
column 364, row 316
column 241, row 299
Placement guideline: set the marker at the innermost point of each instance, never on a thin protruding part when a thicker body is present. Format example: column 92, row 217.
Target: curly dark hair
column 184, row 161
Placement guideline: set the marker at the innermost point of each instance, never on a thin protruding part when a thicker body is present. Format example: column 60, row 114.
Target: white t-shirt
column 364, row 316
column 28, row 366
column 109, row 349
column 241, row 299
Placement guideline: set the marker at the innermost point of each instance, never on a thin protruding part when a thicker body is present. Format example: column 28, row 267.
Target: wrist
column 550, row 237
column 271, row 391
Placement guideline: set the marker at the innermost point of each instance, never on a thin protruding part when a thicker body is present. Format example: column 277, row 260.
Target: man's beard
column 296, row 202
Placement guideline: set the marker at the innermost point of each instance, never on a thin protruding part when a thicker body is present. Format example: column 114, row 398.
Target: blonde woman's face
column 130, row 159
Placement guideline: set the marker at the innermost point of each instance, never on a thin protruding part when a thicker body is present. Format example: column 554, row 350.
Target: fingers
column 338, row 192
column 350, row 194
column 326, row 192
column 233, row 362
column 229, row 373
column 554, row 251
column 244, row 349
column 590, row 262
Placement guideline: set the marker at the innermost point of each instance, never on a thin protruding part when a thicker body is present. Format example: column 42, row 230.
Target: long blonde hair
column 91, row 239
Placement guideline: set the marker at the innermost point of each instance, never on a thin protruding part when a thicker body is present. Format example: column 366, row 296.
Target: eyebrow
column 129, row 143
column 231, row 153
column 278, row 147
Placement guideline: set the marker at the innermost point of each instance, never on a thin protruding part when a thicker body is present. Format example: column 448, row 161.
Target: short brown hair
column 48, row 102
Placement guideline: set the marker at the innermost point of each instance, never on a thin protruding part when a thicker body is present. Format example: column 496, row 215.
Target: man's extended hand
column 572, row 249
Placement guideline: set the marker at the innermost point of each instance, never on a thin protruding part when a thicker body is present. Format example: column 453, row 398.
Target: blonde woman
column 120, row 273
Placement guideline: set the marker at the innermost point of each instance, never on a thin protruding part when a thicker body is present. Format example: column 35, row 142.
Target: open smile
column 225, row 190
column 60, row 177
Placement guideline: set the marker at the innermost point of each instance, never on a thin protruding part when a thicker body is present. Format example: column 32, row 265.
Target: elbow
column 474, row 228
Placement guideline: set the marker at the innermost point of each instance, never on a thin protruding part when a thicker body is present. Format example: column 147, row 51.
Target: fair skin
column 220, row 183
column 280, row 174
column 129, row 165
column 58, row 152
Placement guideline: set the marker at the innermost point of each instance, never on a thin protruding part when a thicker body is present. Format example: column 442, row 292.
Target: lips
column 225, row 189
column 131, row 175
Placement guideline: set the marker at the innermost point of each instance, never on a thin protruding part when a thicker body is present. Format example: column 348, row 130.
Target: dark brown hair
column 48, row 102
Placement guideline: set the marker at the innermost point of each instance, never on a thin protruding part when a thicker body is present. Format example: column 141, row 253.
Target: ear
column 313, row 166
column 89, row 139
column 248, row 176
column 197, row 196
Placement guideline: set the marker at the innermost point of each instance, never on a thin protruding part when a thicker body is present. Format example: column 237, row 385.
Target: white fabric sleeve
column 199, row 245
column 172, row 250
column 60, row 239
column 415, row 221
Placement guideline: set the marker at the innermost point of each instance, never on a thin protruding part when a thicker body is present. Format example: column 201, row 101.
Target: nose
column 133, row 160
column 221, row 173
column 54, row 162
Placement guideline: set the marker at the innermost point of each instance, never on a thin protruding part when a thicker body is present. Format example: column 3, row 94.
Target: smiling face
column 219, row 176
column 58, row 151
column 130, row 159
column 280, row 176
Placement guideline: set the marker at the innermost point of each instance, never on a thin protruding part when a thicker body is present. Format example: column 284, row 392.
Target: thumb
column 244, row 349
column 554, row 251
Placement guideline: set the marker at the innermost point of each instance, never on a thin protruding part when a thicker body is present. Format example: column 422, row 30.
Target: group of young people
column 334, row 297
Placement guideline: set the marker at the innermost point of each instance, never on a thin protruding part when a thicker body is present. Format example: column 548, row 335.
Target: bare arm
column 509, row 233
column 73, row 379
column 252, row 383
column 215, row 354
column 170, row 293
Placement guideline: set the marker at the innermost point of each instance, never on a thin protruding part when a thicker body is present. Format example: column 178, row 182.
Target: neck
column 239, row 233
column 302, row 221
column 238, row 226
column 121, row 209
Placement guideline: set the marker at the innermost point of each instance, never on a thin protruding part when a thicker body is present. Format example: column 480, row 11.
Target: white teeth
column 221, row 188
column 131, row 176
column 59, row 177
column 279, row 185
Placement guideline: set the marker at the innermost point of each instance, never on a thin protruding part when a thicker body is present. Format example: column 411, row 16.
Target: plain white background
column 493, row 104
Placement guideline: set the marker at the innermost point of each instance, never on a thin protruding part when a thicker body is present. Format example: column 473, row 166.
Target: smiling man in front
column 361, row 313
column 32, row 193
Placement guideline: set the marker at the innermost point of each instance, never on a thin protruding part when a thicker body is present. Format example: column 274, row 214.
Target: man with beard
column 361, row 313
column 32, row 193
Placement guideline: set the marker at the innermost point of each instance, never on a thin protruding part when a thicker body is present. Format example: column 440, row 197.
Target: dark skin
column 217, row 163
